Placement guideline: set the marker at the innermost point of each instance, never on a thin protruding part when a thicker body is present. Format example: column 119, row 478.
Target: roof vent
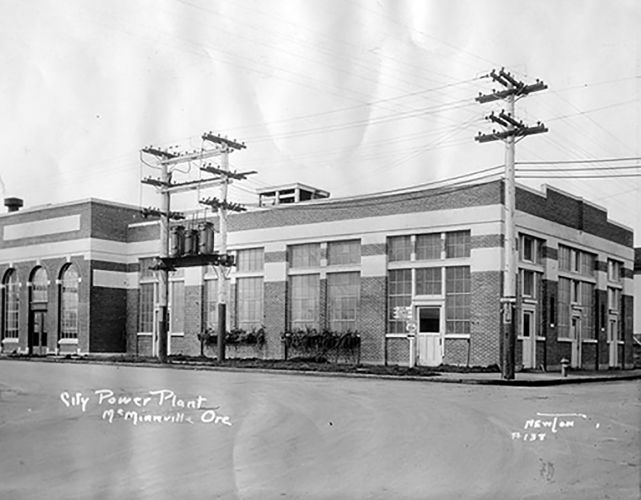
column 13, row 204
column 289, row 193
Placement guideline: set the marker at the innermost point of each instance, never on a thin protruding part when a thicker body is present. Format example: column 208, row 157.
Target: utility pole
column 223, row 206
column 512, row 129
column 166, row 159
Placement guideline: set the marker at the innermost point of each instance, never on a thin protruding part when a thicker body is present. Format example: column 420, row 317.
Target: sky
column 349, row 96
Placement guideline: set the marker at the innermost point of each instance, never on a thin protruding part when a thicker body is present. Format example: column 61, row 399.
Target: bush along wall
column 323, row 346
column 238, row 342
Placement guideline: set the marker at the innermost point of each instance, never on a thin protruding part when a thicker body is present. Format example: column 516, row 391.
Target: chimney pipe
column 13, row 204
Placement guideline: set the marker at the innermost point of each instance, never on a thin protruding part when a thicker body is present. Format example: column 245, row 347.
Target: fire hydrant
column 565, row 363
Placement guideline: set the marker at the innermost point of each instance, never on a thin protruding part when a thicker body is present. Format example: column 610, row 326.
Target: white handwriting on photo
column 536, row 429
column 153, row 407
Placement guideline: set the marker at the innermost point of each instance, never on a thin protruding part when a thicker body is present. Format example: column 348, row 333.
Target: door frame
column 528, row 342
column 42, row 348
column 577, row 338
column 613, row 341
column 436, row 304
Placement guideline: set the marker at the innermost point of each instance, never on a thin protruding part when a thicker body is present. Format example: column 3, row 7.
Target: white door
column 528, row 336
column 428, row 336
column 613, row 341
column 575, row 334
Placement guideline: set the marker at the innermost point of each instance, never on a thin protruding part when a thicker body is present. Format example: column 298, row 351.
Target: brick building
column 337, row 264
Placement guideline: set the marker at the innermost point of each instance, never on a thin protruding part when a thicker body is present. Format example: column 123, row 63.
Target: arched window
column 69, row 303
column 39, row 286
column 10, row 305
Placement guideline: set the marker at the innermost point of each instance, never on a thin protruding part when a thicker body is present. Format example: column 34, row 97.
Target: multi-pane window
column 528, row 283
column 587, row 264
column 343, row 295
column 304, row 301
column 249, row 303
column 576, row 261
column 531, row 249
column 428, row 246
column 250, row 260
column 343, row 252
column 587, row 307
column 176, row 306
column 399, row 248
column 399, row 294
column 146, row 308
column 457, row 299
column 39, row 286
column 457, row 244
column 614, row 271
column 429, row 281
column 563, row 310
column 614, row 299
column 302, row 256
column 69, row 303
column 10, row 305
column 145, row 268
column 210, row 304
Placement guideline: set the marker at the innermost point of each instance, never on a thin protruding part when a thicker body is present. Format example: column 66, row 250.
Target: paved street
column 97, row 431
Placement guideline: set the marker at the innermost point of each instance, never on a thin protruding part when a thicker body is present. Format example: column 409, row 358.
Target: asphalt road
column 263, row 436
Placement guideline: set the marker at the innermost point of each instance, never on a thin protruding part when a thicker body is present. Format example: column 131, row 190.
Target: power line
column 609, row 176
column 578, row 169
column 591, row 160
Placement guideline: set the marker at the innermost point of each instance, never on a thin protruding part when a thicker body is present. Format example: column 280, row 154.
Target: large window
column 429, row 281
column 531, row 249
column 304, row 301
column 588, row 310
column 576, row 261
column 428, row 246
column 146, row 308
column 249, row 303
column 210, row 304
column 399, row 294
column 399, row 248
column 563, row 309
column 69, row 281
column 39, row 286
column 343, row 294
column 615, row 271
column 528, row 283
column 302, row 256
column 343, row 252
column 250, row 260
column 176, row 306
column 457, row 299
column 10, row 305
column 457, row 244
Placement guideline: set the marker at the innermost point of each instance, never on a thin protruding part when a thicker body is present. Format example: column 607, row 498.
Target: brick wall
column 108, row 320
column 131, row 321
column 456, row 352
column 275, row 316
column 371, row 322
column 486, row 318
column 398, row 351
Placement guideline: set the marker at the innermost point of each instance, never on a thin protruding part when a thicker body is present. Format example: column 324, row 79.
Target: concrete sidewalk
column 524, row 378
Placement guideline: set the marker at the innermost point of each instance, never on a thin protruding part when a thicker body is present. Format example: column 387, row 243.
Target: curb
column 438, row 377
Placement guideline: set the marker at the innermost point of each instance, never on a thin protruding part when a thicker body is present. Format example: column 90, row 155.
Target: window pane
column 399, row 248
column 529, row 283
column 343, row 295
column 11, row 302
column 457, row 244
column 177, row 306
column 250, row 260
column 587, row 264
column 210, row 304
column 69, row 304
column 457, row 299
column 144, row 265
column 587, row 306
column 564, row 258
column 304, row 255
column 249, row 303
column 429, row 281
column 39, row 286
column 343, row 252
column 146, row 301
column 303, row 301
column 428, row 246
column 564, row 299
column 399, row 294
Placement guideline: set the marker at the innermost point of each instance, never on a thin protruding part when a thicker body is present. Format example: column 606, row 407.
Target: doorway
column 528, row 338
column 38, row 333
column 575, row 335
column 613, row 342
column 429, row 336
